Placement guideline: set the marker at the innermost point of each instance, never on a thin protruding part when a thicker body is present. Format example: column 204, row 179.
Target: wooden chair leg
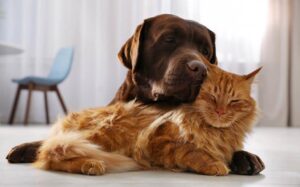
column 15, row 104
column 28, row 104
column 61, row 100
column 46, row 107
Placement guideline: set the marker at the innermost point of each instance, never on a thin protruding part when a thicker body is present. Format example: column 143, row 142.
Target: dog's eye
column 205, row 51
column 170, row 39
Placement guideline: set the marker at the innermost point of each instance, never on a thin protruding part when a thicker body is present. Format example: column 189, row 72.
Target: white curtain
column 279, row 82
column 295, row 65
column 95, row 28
column 275, row 58
column 98, row 28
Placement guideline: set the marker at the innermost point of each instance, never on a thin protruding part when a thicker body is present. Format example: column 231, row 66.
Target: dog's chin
column 174, row 93
column 178, row 97
column 181, row 93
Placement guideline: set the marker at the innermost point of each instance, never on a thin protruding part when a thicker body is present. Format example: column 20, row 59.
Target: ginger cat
column 200, row 137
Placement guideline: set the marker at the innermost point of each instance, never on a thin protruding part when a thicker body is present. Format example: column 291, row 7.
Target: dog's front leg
column 24, row 153
column 245, row 163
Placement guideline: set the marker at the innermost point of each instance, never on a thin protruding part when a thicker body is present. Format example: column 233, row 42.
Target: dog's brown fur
column 157, row 55
column 130, row 136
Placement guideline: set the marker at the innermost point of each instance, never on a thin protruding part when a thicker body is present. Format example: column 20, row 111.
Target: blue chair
column 59, row 72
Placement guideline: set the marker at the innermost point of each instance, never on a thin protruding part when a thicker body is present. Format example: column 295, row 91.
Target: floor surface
column 279, row 148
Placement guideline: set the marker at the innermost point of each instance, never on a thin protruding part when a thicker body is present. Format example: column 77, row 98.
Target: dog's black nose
column 197, row 68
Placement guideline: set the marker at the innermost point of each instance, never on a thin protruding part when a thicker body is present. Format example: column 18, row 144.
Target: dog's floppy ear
column 213, row 59
column 128, row 55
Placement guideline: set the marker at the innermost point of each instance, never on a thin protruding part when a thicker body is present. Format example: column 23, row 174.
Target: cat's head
column 225, row 97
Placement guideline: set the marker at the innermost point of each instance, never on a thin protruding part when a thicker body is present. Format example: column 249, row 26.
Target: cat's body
column 199, row 137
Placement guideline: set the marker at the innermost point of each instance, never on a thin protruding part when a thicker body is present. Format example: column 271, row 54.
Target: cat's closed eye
column 234, row 101
column 238, row 103
column 212, row 98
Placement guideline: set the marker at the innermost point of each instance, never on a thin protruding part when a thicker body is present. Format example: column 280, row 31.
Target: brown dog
column 163, row 67
column 162, row 60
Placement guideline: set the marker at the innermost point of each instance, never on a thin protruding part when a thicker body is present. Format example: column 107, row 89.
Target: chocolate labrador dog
column 164, row 67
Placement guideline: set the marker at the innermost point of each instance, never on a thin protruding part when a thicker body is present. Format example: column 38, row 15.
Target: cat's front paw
column 217, row 169
column 245, row 163
column 220, row 169
column 93, row 167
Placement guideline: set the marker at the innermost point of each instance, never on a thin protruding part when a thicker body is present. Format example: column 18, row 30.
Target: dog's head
column 166, row 57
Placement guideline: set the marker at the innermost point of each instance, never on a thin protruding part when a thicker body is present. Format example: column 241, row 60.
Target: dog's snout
column 197, row 67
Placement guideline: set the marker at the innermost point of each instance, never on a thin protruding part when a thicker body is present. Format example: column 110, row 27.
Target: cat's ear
column 250, row 77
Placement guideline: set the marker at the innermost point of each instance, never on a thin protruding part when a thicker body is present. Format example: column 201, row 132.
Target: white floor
column 279, row 148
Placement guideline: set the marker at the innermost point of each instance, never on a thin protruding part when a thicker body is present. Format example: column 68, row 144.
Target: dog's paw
column 93, row 167
column 24, row 153
column 245, row 163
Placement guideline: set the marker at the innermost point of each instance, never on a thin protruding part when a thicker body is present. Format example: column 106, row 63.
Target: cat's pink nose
column 220, row 111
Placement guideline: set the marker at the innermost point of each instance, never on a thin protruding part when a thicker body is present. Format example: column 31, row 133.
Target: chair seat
column 37, row 80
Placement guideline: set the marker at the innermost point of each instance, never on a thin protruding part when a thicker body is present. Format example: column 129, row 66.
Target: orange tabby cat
column 199, row 137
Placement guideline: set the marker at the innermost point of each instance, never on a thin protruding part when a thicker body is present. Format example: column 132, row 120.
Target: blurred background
column 250, row 33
